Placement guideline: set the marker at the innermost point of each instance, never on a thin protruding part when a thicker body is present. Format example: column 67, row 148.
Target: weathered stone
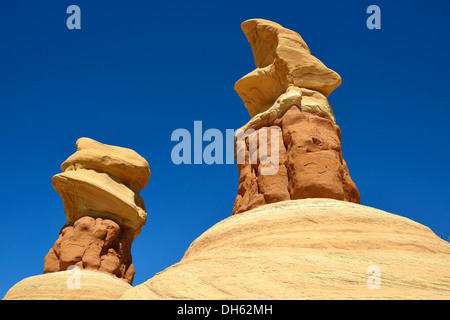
column 315, row 102
column 282, row 59
column 292, row 97
column 93, row 244
column 122, row 163
column 256, row 188
column 314, row 158
column 289, row 90
column 104, row 212
column 97, row 194
column 103, row 181
column 310, row 164
column 307, row 249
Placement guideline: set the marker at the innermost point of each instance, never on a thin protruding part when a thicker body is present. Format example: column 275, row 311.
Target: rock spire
column 99, row 187
column 287, row 94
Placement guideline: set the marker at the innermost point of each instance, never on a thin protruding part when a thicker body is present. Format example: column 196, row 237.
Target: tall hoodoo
column 99, row 187
column 287, row 93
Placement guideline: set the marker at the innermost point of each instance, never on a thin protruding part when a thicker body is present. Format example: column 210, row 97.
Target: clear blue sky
column 138, row 70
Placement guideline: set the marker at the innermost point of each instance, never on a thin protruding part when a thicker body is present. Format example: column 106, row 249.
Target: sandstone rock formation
column 286, row 96
column 54, row 286
column 307, row 249
column 104, row 181
column 300, row 232
column 93, row 244
column 282, row 59
column 104, row 212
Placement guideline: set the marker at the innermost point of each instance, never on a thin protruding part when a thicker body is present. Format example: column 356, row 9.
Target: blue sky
column 138, row 70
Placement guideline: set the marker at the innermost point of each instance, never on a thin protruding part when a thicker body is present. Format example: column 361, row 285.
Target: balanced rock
column 104, row 212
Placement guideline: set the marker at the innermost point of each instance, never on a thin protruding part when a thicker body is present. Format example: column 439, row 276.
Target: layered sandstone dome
column 54, row 286
column 307, row 249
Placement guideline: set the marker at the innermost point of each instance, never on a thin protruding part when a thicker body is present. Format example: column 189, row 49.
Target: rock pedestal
column 104, row 213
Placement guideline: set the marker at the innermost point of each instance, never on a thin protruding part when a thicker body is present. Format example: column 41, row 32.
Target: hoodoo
column 104, row 212
column 295, row 232
column 299, row 232
column 287, row 95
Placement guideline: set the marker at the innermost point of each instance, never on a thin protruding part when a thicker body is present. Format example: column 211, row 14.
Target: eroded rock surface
column 310, row 163
column 93, row 285
column 93, row 244
column 282, row 59
column 287, row 96
column 100, row 189
column 307, row 249
column 104, row 181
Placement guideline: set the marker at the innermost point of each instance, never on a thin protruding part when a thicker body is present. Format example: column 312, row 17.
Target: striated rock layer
column 103, row 181
column 282, row 59
column 308, row 249
column 54, row 286
column 100, row 189
column 310, row 163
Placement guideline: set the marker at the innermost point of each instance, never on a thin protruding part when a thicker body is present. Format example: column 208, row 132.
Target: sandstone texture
column 310, row 163
column 103, row 181
column 308, row 249
column 282, row 59
column 100, row 189
column 286, row 96
column 292, row 97
column 297, row 230
column 122, row 163
column 93, row 244
column 54, row 286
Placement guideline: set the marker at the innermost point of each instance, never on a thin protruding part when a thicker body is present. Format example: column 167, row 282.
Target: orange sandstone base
column 95, row 245
column 310, row 164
